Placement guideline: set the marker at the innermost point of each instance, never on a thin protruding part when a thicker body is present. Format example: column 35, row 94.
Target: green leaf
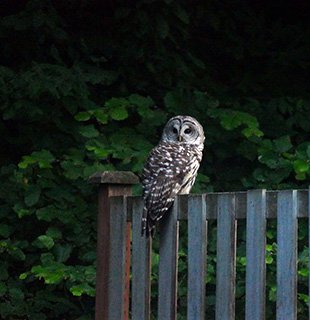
column 17, row 253
column 54, row 233
column 273, row 293
column 301, row 166
column 47, row 241
column 83, row 288
column 77, row 291
column 82, row 116
column 249, row 132
column 98, row 148
column 47, row 258
column 43, row 158
column 304, row 272
column 233, row 119
column 269, row 158
column 21, row 212
column 304, row 297
column 242, row 261
column 89, row 131
column 101, row 116
column 23, row 276
column 140, row 101
column 117, row 108
column 26, row 162
column 300, row 176
column 4, row 230
column 32, row 195
column 143, row 106
column 62, row 252
column 51, row 274
column 283, row 144
column 119, row 113
column 47, row 213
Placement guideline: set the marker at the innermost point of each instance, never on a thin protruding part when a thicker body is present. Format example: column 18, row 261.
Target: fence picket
column 255, row 255
column 226, row 257
column 117, row 267
column 197, row 242
column 141, row 266
column 287, row 255
column 167, row 270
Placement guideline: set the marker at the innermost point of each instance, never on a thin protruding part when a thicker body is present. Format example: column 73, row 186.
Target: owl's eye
column 175, row 130
column 187, row 131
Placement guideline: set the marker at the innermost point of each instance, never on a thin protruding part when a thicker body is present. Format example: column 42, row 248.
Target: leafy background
column 87, row 86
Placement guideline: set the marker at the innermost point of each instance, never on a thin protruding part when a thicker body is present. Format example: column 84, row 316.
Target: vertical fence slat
column 141, row 266
column 197, row 243
column 255, row 255
column 117, row 273
column 168, row 258
column 225, row 257
column 287, row 255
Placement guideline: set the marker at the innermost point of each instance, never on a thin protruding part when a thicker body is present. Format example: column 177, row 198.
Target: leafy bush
column 87, row 86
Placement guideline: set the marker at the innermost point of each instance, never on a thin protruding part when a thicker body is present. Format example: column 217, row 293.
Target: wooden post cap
column 114, row 177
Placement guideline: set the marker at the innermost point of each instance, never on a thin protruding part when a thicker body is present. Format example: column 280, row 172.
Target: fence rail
column 256, row 206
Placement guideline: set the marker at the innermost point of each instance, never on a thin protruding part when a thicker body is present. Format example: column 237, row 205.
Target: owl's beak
column 180, row 138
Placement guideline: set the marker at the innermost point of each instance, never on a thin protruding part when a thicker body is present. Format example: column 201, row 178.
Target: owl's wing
column 158, row 200
column 169, row 170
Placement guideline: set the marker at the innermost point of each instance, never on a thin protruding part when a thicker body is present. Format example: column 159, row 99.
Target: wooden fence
column 120, row 246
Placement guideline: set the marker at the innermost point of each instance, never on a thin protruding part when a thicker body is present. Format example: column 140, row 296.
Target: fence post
column 118, row 183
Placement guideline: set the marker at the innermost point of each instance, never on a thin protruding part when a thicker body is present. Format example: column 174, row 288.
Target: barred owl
column 171, row 168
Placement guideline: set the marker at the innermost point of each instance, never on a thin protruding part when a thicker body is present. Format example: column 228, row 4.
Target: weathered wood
column 255, row 255
column 197, row 249
column 113, row 251
column 272, row 204
column 168, row 261
column 241, row 205
column 103, row 249
column 141, row 266
column 114, row 177
column 271, row 207
column 226, row 257
column 212, row 206
column 302, row 203
column 271, row 199
column 110, row 186
column 117, row 262
column 287, row 255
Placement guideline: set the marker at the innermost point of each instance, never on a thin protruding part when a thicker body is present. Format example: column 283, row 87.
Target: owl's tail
column 147, row 225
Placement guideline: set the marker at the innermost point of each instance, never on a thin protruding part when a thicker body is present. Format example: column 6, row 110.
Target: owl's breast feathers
column 171, row 169
column 170, row 159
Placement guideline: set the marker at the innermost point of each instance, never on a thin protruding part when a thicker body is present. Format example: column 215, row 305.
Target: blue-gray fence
column 256, row 206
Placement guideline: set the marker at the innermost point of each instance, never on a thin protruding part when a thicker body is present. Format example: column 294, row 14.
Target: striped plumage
column 171, row 168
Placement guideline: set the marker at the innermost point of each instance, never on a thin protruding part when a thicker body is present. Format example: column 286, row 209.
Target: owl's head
column 183, row 129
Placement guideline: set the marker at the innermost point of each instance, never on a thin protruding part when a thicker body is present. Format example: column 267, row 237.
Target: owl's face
column 183, row 129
